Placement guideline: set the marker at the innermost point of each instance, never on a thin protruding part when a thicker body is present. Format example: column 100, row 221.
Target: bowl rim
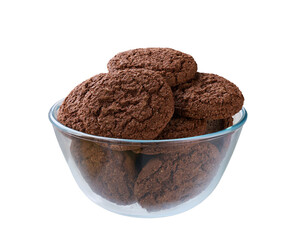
column 79, row 134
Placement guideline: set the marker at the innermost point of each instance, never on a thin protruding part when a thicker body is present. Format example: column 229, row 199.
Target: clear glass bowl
column 147, row 178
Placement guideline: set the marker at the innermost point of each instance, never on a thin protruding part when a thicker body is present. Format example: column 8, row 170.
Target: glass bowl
column 147, row 178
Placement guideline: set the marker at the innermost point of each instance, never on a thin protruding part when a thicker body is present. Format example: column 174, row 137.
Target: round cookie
column 170, row 179
column 130, row 104
column 208, row 96
column 110, row 174
column 218, row 125
column 68, row 111
column 182, row 127
column 176, row 67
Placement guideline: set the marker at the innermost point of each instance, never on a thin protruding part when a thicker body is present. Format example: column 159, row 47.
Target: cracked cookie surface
column 208, row 96
column 170, row 179
column 68, row 111
column 178, row 127
column 130, row 104
column 176, row 67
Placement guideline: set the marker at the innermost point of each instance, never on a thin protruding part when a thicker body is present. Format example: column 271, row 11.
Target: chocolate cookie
column 182, row 127
column 130, row 104
column 68, row 111
column 110, row 174
column 218, row 125
column 116, row 180
column 170, row 179
column 208, row 96
column 176, row 67
column 164, row 147
column 89, row 157
column 178, row 127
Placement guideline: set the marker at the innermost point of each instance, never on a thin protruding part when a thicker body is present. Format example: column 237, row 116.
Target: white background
column 48, row 47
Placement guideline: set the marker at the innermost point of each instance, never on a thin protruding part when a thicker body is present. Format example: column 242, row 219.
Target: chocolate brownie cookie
column 68, row 111
column 218, row 125
column 130, row 104
column 208, row 96
column 178, row 127
column 182, row 127
column 110, row 174
column 176, row 67
column 170, row 179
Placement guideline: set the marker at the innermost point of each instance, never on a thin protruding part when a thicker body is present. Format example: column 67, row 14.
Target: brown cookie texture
column 218, row 125
column 208, row 96
column 89, row 157
column 182, row 127
column 178, row 127
column 68, row 111
column 116, row 181
column 164, row 147
column 120, row 146
column 176, row 67
column 130, row 104
column 110, row 174
column 171, row 179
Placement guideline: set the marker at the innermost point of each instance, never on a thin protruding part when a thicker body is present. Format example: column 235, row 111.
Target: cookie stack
column 149, row 94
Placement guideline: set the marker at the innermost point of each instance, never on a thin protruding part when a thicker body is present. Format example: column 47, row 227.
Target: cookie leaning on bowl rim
column 175, row 66
column 208, row 96
column 129, row 104
column 68, row 111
